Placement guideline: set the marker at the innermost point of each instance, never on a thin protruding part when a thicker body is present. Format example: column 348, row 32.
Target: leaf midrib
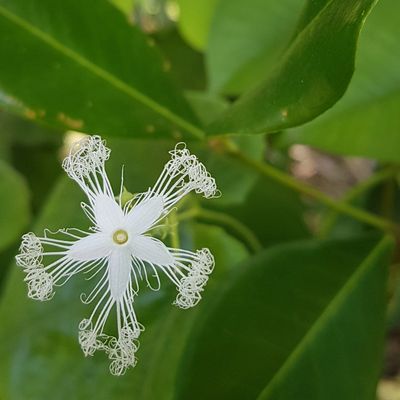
column 102, row 73
column 319, row 323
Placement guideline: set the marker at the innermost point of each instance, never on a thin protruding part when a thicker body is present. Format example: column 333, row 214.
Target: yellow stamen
column 120, row 236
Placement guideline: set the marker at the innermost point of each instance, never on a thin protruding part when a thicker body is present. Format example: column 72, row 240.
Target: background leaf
column 310, row 77
column 195, row 19
column 368, row 111
column 245, row 42
column 126, row 6
column 233, row 180
column 14, row 205
column 316, row 326
column 273, row 213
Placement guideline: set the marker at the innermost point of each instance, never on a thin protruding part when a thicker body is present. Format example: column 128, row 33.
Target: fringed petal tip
column 191, row 286
column 30, row 252
column 185, row 163
column 121, row 351
column 85, row 157
column 40, row 283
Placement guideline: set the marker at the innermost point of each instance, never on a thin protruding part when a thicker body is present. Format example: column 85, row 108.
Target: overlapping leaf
column 365, row 121
column 245, row 42
column 310, row 77
column 301, row 321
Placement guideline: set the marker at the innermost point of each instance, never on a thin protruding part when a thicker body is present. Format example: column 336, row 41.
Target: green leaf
column 300, row 321
column 185, row 64
column 365, row 121
column 14, row 205
column 34, row 151
column 272, row 212
column 233, row 180
column 310, row 77
column 156, row 377
column 246, row 39
column 195, row 19
column 311, row 9
column 39, row 350
column 206, row 106
column 125, row 6
column 81, row 66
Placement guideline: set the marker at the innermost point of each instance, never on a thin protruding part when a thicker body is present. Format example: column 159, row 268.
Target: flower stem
column 308, row 190
column 227, row 221
column 331, row 217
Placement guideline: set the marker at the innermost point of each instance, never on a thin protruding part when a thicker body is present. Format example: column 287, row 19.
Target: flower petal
column 119, row 267
column 108, row 213
column 91, row 247
column 145, row 214
column 150, row 250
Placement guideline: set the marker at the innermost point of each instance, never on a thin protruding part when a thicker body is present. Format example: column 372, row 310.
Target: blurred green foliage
column 286, row 315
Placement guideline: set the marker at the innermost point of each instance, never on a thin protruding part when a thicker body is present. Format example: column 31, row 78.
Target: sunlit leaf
column 126, row 6
column 195, row 19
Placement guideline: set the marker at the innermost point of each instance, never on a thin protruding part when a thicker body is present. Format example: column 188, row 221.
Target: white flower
column 118, row 249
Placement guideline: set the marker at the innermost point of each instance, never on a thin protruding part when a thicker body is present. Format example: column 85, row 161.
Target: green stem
column 226, row 220
column 308, row 190
column 331, row 217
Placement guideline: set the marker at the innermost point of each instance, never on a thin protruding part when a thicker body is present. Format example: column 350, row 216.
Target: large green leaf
column 80, row 65
column 14, row 205
column 310, row 77
column 246, row 39
column 366, row 120
column 300, row 321
column 195, row 19
column 40, row 355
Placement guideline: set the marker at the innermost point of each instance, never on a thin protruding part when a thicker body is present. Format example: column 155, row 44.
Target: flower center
column 120, row 236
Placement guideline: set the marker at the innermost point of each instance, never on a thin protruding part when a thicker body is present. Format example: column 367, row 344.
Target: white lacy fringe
column 191, row 286
column 40, row 282
column 182, row 174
